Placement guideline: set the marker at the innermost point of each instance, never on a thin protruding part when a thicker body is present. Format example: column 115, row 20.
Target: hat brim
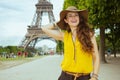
column 61, row 23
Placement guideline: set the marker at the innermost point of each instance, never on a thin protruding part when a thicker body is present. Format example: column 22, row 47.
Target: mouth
column 74, row 21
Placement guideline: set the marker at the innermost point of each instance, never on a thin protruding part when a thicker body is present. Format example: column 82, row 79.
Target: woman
column 81, row 56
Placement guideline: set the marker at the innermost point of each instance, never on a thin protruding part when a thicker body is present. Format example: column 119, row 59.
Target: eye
column 72, row 15
column 69, row 15
column 76, row 15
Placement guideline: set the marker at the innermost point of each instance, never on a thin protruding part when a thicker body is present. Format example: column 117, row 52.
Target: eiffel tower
column 34, row 31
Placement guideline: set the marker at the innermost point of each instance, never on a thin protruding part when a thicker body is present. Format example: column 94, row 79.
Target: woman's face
column 72, row 18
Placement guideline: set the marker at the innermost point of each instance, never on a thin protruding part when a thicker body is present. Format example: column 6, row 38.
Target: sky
column 16, row 15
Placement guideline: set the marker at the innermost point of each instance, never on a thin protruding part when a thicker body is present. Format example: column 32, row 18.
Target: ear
column 65, row 21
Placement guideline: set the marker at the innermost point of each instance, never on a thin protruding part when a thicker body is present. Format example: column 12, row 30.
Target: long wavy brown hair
column 84, row 34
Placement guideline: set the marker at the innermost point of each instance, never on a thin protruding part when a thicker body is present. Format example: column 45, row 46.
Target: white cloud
column 13, row 29
column 16, row 15
column 6, row 40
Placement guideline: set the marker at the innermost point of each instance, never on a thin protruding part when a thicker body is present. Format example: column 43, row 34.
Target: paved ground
column 48, row 68
column 111, row 70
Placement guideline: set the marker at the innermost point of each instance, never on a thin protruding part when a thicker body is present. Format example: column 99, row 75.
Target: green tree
column 113, row 37
column 12, row 49
column 70, row 3
column 1, row 50
column 59, row 47
column 102, row 13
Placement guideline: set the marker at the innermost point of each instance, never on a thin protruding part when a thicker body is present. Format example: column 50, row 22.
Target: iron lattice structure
column 34, row 32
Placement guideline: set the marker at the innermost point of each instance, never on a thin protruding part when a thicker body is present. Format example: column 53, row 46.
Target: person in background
column 109, row 53
column 81, row 58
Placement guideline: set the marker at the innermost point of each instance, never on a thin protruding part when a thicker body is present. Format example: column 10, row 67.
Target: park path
column 110, row 70
column 48, row 68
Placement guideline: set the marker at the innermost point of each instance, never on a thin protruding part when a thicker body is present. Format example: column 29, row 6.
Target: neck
column 73, row 31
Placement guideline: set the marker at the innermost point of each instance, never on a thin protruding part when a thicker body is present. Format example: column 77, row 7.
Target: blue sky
column 15, row 15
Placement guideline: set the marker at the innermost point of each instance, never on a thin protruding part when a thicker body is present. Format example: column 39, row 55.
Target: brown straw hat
column 61, row 23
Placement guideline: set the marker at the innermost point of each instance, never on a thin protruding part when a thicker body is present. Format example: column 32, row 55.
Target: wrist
column 55, row 26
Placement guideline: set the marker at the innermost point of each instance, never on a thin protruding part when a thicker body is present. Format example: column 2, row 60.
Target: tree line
column 10, row 50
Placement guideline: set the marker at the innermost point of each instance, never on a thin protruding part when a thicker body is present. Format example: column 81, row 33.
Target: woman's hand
column 93, row 78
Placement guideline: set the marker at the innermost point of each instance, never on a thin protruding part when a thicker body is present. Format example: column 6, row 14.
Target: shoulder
column 91, row 32
column 65, row 34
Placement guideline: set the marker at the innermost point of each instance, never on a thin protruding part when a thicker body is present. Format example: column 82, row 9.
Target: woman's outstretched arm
column 52, row 31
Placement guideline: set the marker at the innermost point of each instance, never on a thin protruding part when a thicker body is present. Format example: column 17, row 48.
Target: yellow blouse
column 75, row 59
